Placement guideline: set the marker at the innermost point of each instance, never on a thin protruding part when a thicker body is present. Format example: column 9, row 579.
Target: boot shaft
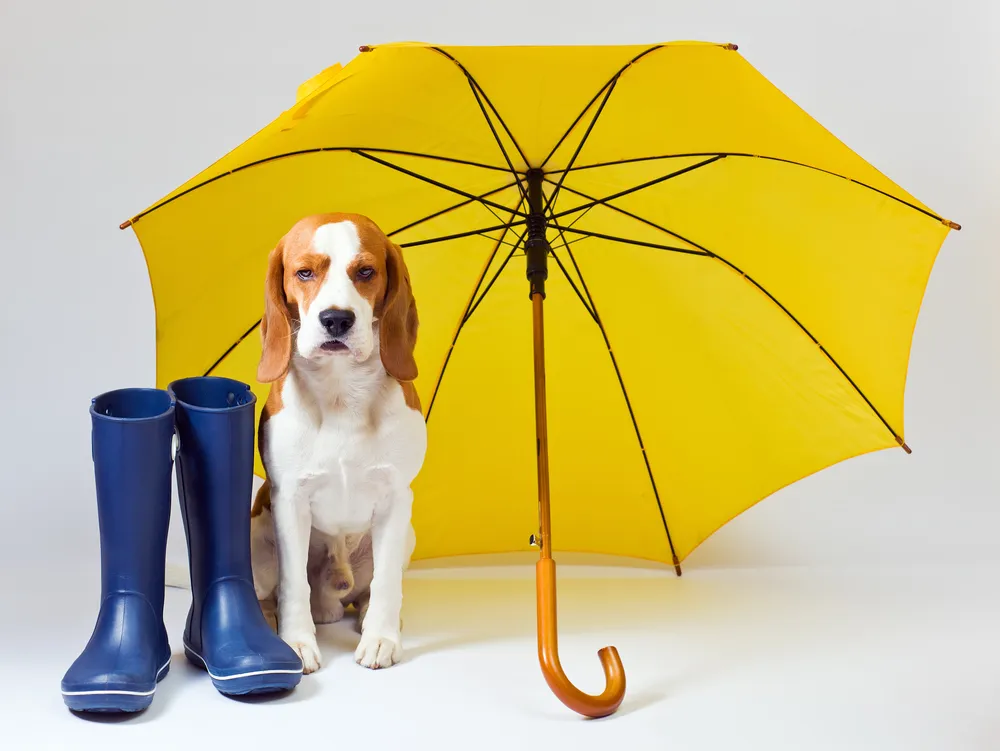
column 215, row 425
column 132, row 432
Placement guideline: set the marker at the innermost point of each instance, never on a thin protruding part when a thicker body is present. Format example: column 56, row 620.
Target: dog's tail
column 177, row 576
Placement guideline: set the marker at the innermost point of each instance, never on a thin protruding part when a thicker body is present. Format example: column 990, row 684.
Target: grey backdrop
column 107, row 106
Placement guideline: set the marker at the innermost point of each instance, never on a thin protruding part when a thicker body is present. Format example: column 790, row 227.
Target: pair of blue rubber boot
column 133, row 442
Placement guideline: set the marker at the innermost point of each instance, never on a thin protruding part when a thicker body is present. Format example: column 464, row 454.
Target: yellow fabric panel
column 443, row 277
column 710, row 99
column 477, row 491
column 732, row 399
column 849, row 263
column 602, row 497
column 539, row 115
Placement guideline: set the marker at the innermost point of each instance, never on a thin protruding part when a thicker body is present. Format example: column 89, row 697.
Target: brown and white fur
column 341, row 435
column 339, row 570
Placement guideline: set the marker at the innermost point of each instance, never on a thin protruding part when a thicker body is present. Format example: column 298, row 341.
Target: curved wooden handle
column 548, row 655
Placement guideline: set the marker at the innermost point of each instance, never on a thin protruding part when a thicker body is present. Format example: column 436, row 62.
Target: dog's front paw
column 305, row 646
column 362, row 612
column 375, row 651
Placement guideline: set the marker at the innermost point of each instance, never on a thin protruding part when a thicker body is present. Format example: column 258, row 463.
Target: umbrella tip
column 903, row 445
column 950, row 224
column 364, row 48
column 732, row 46
column 126, row 224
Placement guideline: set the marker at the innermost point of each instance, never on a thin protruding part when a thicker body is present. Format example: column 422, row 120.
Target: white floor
column 768, row 659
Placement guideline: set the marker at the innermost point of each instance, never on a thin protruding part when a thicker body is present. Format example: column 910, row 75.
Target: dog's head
column 336, row 286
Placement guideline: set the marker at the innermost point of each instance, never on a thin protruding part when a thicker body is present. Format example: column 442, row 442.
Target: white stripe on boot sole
column 119, row 693
column 215, row 677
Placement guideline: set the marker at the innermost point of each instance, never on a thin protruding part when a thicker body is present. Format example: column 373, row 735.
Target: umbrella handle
column 536, row 249
column 588, row 705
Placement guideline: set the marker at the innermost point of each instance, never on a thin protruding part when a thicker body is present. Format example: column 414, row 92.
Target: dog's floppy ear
column 398, row 323
column 276, row 324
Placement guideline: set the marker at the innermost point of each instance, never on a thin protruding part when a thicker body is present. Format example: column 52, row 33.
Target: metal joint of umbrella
column 537, row 250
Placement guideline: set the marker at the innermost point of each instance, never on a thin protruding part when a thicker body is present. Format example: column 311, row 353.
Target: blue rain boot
column 131, row 440
column 226, row 633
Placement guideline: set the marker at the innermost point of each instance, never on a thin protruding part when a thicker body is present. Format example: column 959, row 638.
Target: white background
column 107, row 106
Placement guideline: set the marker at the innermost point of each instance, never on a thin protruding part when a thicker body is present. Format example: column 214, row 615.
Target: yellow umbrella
column 729, row 291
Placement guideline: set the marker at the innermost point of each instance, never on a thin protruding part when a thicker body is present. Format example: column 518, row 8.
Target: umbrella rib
column 702, row 250
column 572, row 284
column 817, row 342
column 636, row 160
column 496, row 276
column 780, row 160
column 628, row 402
column 590, row 104
column 459, row 205
column 459, row 235
column 604, row 202
column 475, row 86
column 627, row 241
column 304, row 152
column 467, row 313
column 579, row 147
column 436, row 183
column 577, row 219
column 502, row 241
column 637, row 188
column 232, row 347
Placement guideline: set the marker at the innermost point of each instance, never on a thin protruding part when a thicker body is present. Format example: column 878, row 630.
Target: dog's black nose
column 337, row 322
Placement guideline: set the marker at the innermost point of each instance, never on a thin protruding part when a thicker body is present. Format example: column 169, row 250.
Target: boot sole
column 253, row 682
column 113, row 701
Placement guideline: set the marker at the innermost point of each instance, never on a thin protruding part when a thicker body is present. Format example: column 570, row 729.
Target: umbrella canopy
column 732, row 306
column 730, row 298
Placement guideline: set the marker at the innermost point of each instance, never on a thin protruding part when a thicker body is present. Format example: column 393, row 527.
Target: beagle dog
column 341, row 435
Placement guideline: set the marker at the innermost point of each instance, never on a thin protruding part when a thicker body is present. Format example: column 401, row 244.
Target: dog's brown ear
column 276, row 324
column 398, row 323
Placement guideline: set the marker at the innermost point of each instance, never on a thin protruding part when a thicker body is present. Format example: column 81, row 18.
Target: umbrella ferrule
column 536, row 244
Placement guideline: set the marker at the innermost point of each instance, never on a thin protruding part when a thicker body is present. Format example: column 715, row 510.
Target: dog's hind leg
column 264, row 556
column 263, row 552
column 324, row 596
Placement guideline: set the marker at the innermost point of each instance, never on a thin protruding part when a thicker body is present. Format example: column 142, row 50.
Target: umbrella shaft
column 541, row 426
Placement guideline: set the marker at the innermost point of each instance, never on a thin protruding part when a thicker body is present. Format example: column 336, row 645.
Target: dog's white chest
column 344, row 462
column 344, row 477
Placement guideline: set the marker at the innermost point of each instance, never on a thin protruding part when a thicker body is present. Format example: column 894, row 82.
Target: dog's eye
column 365, row 273
column 304, row 274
